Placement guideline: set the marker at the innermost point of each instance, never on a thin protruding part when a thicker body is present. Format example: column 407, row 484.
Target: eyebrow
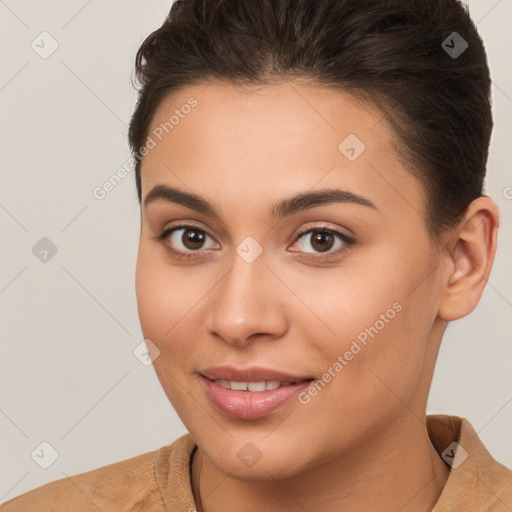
column 289, row 206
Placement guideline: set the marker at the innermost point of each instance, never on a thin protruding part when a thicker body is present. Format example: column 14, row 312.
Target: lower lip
column 249, row 405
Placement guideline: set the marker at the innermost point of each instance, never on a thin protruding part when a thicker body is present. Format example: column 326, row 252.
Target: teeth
column 257, row 386
column 252, row 386
column 224, row 383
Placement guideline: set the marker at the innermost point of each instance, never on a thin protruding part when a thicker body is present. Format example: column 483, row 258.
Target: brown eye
column 322, row 240
column 193, row 238
column 186, row 240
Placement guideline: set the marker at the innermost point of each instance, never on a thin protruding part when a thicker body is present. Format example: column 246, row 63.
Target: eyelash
column 347, row 241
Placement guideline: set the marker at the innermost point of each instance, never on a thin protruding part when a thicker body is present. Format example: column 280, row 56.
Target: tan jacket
column 159, row 481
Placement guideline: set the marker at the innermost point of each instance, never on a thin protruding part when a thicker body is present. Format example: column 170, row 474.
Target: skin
column 361, row 443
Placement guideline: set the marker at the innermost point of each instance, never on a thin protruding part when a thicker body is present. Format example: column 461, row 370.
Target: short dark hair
column 393, row 53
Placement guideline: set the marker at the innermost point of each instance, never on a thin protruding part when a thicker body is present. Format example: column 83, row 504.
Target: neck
column 398, row 470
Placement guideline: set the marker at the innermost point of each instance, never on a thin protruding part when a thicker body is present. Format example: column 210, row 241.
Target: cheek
column 346, row 304
column 169, row 300
column 165, row 295
column 379, row 334
column 165, row 299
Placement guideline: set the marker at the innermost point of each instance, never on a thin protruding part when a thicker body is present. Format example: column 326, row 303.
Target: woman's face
column 352, row 303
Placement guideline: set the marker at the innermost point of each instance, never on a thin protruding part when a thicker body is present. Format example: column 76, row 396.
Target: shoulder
column 130, row 484
column 477, row 481
column 498, row 481
column 503, row 501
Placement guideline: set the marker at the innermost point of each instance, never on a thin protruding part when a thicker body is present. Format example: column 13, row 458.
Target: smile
column 254, row 387
column 251, row 400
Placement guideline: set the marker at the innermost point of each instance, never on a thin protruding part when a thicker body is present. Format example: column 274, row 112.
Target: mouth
column 253, row 378
column 256, row 386
column 253, row 398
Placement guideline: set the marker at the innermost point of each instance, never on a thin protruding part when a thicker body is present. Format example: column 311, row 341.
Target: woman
column 310, row 174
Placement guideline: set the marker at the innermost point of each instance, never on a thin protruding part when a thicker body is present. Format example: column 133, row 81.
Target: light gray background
column 70, row 325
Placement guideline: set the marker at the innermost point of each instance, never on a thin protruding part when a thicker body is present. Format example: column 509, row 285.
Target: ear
column 471, row 250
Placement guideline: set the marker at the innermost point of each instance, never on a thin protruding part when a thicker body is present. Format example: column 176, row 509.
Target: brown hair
column 398, row 55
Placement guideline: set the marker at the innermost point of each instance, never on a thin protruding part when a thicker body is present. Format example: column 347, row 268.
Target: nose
column 246, row 304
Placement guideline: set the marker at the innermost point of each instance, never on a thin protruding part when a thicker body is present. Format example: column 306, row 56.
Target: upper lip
column 251, row 374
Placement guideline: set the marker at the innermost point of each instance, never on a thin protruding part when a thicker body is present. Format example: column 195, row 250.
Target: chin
column 276, row 469
column 244, row 459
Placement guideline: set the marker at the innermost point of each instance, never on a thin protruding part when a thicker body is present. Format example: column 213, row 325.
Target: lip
column 249, row 405
column 252, row 374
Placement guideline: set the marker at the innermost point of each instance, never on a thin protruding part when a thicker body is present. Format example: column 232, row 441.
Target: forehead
column 273, row 140
column 255, row 113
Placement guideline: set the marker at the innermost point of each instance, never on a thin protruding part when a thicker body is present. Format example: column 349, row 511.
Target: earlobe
column 471, row 259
